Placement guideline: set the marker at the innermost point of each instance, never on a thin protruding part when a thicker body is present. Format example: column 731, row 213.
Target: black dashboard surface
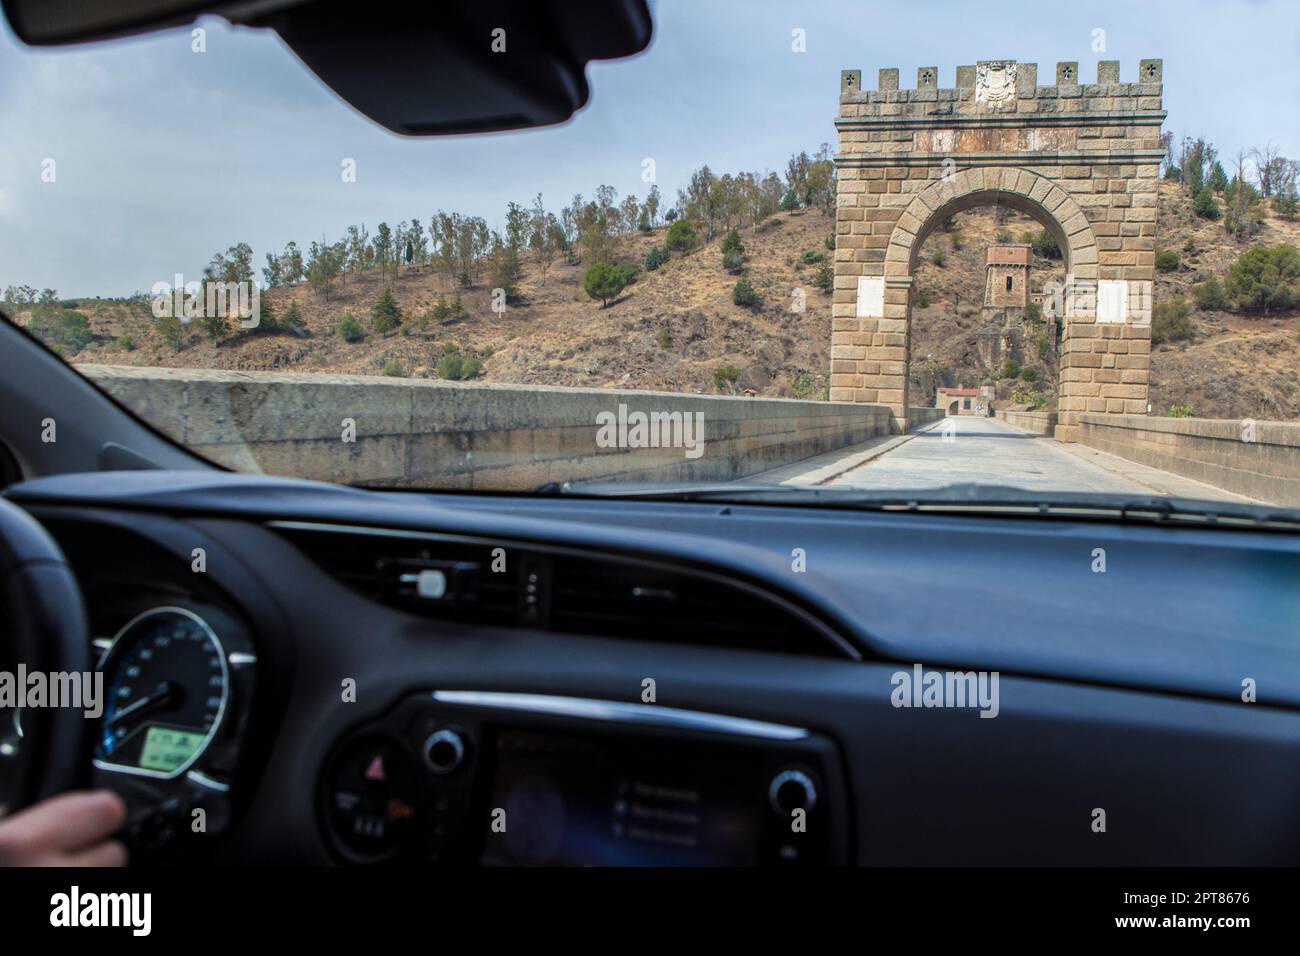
column 1119, row 690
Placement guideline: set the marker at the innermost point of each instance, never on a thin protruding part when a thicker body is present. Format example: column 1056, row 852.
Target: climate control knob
column 792, row 790
column 444, row 751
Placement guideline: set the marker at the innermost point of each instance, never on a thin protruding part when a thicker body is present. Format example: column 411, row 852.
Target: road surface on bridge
column 986, row 451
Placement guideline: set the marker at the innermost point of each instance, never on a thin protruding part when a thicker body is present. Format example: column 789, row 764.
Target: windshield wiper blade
column 965, row 497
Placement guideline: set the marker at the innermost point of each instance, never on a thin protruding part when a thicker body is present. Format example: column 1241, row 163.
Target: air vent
column 389, row 568
column 558, row 589
column 646, row 603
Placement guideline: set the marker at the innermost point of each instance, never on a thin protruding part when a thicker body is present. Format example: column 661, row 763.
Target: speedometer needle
column 162, row 694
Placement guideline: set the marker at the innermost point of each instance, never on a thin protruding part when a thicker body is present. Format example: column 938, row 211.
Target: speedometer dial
column 167, row 685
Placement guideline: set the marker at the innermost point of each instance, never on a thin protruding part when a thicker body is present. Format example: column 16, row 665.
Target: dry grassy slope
column 1235, row 367
column 557, row 336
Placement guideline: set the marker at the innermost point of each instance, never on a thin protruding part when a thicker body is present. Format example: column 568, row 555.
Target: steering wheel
column 43, row 627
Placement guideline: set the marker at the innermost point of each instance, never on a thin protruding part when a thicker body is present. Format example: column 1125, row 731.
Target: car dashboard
column 328, row 675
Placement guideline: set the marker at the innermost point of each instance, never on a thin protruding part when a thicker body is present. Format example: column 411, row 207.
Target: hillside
column 674, row 327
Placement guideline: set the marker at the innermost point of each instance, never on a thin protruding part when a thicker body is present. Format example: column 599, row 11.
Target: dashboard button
column 792, row 790
column 444, row 751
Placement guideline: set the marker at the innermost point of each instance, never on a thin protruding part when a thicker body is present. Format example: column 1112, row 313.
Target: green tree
column 725, row 378
column 1045, row 245
column 1218, row 180
column 825, row 279
column 169, row 329
column 681, row 237
column 1210, row 296
column 604, row 281
column 455, row 367
column 1265, row 278
column 1171, row 322
column 744, row 295
column 656, row 257
column 293, row 317
column 1204, row 204
column 503, row 271
column 385, row 316
column 350, row 329
column 72, row 330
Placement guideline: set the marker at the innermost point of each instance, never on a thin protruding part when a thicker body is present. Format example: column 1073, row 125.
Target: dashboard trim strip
column 621, row 712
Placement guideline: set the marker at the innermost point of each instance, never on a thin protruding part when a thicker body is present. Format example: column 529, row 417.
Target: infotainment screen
column 595, row 801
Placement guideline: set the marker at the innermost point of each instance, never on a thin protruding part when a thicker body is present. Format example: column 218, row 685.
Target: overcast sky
column 164, row 156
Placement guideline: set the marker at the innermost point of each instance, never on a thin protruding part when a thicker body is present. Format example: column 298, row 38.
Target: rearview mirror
column 430, row 68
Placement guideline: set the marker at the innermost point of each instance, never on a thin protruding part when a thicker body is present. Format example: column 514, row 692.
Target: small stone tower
column 1006, row 283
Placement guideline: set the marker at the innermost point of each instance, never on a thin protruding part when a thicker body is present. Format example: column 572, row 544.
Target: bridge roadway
column 985, row 451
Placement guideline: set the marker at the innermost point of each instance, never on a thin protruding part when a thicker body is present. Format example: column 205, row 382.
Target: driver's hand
column 72, row 829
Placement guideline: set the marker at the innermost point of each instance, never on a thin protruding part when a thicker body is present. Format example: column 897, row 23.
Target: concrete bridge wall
column 428, row 433
column 918, row 415
column 1257, row 459
column 1039, row 423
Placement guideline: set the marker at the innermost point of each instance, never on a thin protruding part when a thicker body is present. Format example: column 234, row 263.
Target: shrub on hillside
column 812, row 257
column 1010, row 369
column 733, row 262
column 1265, row 278
column 1180, row 411
column 385, row 316
column 1210, row 296
column 1172, row 322
column 681, row 237
column 1287, row 203
column 1045, row 245
column 725, row 377
column 393, row 369
column 744, row 295
column 1167, row 260
column 292, row 318
column 169, row 329
column 656, row 257
column 71, row 329
column 457, row 367
column 939, row 257
column 350, row 329
column 825, row 279
column 604, row 281
column 1204, row 204
column 731, row 243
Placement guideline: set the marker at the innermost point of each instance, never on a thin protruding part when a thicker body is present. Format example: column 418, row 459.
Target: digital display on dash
column 593, row 801
column 166, row 749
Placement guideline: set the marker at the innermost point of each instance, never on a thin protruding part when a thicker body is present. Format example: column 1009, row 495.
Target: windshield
column 783, row 247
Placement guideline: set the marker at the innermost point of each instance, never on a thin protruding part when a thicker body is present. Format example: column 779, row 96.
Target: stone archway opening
column 1081, row 159
column 981, row 317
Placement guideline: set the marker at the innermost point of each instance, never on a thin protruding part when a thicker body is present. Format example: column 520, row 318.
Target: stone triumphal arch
column 1081, row 158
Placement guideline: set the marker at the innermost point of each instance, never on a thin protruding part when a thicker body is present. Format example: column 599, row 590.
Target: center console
column 505, row 779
